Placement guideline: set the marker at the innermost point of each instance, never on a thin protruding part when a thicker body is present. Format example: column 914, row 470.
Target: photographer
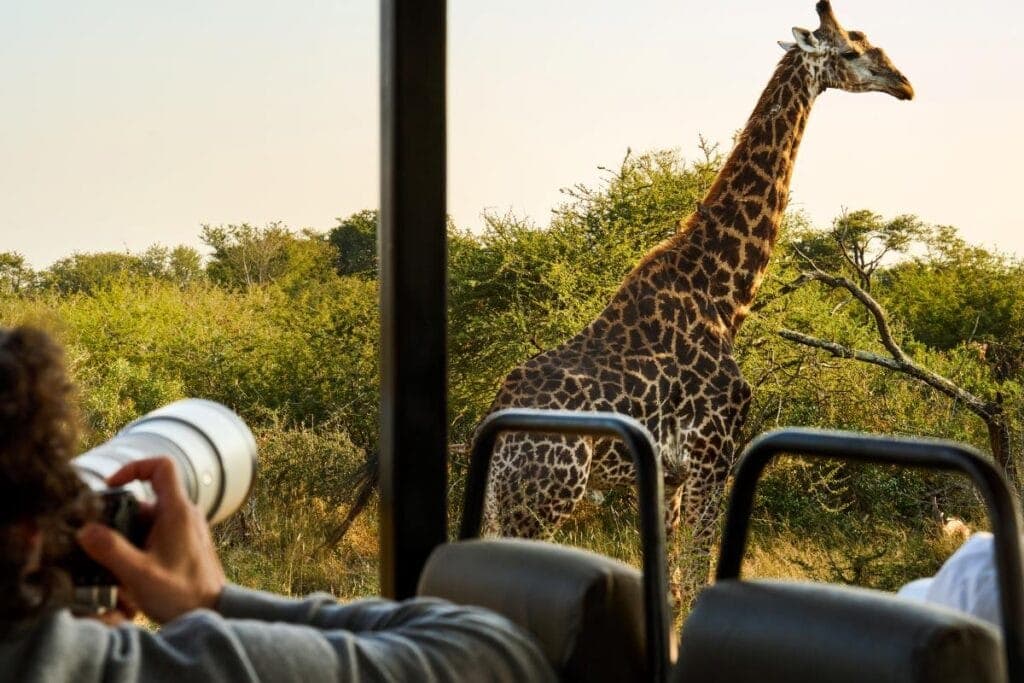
column 212, row 630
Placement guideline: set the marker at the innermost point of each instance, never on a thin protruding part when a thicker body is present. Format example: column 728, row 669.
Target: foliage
column 246, row 256
column 355, row 241
column 283, row 327
column 958, row 294
column 858, row 243
column 277, row 542
column 90, row 272
column 134, row 346
column 15, row 274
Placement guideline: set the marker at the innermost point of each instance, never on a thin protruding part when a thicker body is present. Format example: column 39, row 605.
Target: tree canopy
column 283, row 325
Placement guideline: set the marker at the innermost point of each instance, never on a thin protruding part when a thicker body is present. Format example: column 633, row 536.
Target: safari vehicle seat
column 595, row 618
column 584, row 610
column 770, row 631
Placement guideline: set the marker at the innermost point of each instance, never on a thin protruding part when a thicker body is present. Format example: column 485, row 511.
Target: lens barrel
column 214, row 450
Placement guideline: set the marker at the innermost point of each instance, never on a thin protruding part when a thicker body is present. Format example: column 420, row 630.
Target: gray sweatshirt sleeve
column 256, row 636
column 262, row 637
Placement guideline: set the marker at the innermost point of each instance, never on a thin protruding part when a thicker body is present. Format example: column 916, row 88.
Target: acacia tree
column 963, row 292
column 989, row 409
column 355, row 241
column 92, row 271
column 859, row 243
column 16, row 276
column 246, row 256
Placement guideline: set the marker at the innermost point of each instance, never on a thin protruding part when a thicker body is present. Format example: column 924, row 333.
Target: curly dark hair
column 39, row 490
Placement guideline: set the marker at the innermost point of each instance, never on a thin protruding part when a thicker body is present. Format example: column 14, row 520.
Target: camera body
column 215, row 453
column 95, row 588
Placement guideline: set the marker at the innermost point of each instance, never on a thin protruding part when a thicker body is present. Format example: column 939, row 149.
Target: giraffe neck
column 728, row 241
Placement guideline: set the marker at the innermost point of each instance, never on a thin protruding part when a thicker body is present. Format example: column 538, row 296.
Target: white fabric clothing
column 966, row 582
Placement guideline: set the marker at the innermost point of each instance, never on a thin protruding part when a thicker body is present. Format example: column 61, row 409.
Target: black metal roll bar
column 649, row 483
column 413, row 323
column 1002, row 507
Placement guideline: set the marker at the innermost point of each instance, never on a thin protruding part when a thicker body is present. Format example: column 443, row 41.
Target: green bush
column 283, row 327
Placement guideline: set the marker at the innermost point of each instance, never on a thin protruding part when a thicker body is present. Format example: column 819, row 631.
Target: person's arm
column 379, row 640
column 419, row 640
column 270, row 637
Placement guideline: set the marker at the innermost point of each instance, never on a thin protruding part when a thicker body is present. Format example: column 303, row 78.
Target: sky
column 127, row 123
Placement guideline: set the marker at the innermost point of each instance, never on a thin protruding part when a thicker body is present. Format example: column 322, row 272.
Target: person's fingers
column 147, row 510
column 161, row 472
column 115, row 552
column 127, row 608
column 126, row 602
column 136, row 469
column 166, row 483
column 114, row 617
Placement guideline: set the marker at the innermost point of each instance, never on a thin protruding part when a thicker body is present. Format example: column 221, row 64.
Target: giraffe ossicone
column 661, row 351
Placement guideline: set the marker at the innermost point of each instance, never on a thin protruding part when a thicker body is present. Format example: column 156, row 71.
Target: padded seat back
column 585, row 610
column 771, row 631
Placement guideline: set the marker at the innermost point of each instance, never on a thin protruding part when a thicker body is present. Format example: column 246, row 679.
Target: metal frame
column 649, row 484
column 413, row 287
column 1003, row 510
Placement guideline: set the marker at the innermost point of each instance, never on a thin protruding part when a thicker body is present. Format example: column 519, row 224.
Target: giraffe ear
column 786, row 46
column 806, row 40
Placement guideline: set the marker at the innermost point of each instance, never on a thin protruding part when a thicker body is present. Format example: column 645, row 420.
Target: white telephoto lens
column 212, row 446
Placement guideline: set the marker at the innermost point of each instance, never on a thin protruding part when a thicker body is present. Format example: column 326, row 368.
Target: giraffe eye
column 850, row 56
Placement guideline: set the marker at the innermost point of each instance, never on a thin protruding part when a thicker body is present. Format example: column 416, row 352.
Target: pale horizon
column 130, row 125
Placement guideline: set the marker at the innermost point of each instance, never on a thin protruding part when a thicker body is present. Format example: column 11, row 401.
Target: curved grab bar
column 648, row 474
column 1003, row 510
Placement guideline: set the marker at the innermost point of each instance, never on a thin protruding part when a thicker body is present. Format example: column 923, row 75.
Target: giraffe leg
column 708, row 464
column 673, row 511
column 702, row 502
column 673, row 516
column 548, row 479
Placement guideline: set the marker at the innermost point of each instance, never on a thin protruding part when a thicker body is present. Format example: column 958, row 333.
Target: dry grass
column 277, row 545
column 884, row 559
column 286, row 558
column 286, row 555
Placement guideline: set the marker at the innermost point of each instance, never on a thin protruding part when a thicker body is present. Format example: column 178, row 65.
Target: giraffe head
column 846, row 60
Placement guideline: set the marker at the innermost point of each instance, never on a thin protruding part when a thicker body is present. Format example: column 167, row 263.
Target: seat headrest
column 769, row 631
column 585, row 610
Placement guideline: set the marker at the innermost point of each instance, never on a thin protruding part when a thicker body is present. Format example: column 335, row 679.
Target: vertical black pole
column 414, row 421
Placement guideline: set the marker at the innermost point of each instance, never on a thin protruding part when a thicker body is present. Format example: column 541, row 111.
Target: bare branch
column 845, row 250
column 981, row 408
column 990, row 412
column 840, row 351
column 875, row 308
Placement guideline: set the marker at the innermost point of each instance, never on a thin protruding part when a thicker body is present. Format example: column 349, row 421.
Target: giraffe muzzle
column 902, row 89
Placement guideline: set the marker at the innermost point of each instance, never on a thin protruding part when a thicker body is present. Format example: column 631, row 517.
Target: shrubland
column 283, row 327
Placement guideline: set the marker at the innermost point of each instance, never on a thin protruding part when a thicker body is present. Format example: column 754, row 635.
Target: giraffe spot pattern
column 661, row 351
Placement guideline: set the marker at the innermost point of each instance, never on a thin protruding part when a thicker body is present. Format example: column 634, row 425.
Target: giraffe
column 661, row 351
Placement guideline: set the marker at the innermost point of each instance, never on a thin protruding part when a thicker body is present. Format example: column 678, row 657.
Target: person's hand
column 113, row 617
column 124, row 611
column 178, row 570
